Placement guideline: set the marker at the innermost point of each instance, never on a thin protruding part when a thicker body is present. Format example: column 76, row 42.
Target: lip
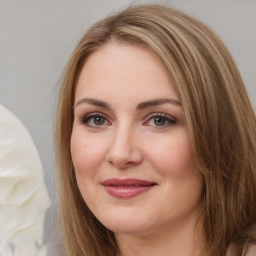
column 127, row 188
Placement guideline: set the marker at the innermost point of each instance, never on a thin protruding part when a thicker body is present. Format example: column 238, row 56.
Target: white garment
column 23, row 196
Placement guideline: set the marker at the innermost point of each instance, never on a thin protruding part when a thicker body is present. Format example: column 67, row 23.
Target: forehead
column 124, row 69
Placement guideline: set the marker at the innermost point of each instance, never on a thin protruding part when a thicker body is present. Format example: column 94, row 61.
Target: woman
column 155, row 141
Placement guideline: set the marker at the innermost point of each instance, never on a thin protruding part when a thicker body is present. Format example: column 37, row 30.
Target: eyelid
column 172, row 120
column 86, row 117
column 160, row 114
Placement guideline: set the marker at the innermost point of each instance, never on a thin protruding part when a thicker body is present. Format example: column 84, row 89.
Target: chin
column 125, row 223
column 127, row 228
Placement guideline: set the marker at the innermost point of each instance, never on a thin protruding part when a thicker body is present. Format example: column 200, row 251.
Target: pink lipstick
column 127, row 188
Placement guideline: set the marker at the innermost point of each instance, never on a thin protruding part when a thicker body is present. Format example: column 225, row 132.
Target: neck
column 182, row 239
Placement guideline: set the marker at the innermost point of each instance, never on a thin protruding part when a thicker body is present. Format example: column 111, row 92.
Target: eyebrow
column 156, row 102
column 140, row 106
column 95, row 102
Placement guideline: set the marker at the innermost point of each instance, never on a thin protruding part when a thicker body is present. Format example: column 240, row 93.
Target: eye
column 94, row 120
column 160, row 120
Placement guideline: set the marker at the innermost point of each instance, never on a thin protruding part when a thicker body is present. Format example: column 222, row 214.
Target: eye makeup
column 94, row 120
column 160, row 120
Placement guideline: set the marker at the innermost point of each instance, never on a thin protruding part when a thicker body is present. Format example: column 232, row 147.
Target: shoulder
column 250, row 250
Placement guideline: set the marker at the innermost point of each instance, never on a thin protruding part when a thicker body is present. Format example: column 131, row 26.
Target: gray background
column 37, row 38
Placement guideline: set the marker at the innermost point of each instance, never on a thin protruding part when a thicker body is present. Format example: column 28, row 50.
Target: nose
column 124, row 151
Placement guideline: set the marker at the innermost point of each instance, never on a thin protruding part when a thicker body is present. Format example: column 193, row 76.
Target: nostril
column 123, row 161
column 124, row 151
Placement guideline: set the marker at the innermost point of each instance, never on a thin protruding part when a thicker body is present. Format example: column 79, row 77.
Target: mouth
column 127, row 188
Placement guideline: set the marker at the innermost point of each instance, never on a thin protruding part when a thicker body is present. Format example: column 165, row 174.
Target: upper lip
column 127, row 182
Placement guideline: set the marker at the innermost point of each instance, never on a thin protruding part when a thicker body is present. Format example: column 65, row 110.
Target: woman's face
column 130, row 145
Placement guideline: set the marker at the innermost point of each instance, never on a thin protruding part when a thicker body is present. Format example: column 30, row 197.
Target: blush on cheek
column 176, row 160
column 86, row 159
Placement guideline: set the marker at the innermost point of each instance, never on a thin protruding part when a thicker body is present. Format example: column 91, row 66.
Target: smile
column 127, row 188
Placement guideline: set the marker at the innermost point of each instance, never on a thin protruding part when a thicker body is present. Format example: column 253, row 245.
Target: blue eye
column 94, row 120
column 160, row 120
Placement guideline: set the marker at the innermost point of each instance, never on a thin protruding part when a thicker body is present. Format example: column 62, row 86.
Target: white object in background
column 23, row 196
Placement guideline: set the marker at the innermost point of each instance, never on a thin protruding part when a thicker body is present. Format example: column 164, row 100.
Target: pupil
column 99, row 120
column 159, row 121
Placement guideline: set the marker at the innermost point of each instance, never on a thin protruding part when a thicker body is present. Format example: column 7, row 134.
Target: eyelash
column 87, row 118
column 166, row 118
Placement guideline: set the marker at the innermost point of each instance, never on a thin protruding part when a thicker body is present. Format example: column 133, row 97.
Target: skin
column 116, row 135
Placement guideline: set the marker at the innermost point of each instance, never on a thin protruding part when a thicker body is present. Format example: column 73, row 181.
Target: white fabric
column 23, row 196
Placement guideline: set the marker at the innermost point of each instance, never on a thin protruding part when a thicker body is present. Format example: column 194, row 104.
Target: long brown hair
column 221, row 123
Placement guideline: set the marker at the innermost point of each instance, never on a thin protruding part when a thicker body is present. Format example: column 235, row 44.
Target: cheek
column 182, row 181
column 172, row 155
column 86, row 159
column 87, row 152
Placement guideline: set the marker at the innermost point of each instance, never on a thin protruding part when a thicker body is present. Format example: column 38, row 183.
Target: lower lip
column 127, row 192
